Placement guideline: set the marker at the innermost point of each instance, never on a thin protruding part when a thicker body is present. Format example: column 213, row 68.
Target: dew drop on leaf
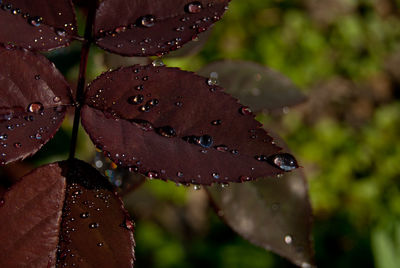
column 35, row 21
column 205, row 141
column 84, row 215
column 216, row 122
column 245, row 110
column 157, row 62
column 147, row 21
column 93, row 225
column 61, row 32
column 136, row 99
column 194, row 7
column 288, row 239
column 3, row 137
column 17, row 145
column 284, row 161
column 166, row 131
column 196, row 187
column 215, row 175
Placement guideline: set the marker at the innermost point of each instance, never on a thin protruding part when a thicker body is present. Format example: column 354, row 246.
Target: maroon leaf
column 30, row 215
column 146, row 28
column 171, row 124
column 272, row 213
column 254, row 85
column 38, row 25
column 96, row 230
column 33, row 100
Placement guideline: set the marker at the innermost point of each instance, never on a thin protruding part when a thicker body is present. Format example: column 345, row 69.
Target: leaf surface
column 30, row 215
column 255, row 85
column 146, row 28
column 38, row 25
column 33, row 101
column 171, row 124
column 274, row 214
column 96, row 229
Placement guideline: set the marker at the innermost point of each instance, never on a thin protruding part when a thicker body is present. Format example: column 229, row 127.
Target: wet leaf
column 145, row 28
column 170, row 124
column 30, row 215
column 38, row 25
column 96, row 230
column 272, row 213
column 255, row 85
column 33, row 101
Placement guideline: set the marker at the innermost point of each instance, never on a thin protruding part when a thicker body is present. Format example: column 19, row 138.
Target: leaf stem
column 88, row 39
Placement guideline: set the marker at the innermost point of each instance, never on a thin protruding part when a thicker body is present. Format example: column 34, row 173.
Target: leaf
column 193, row 47
column 272, row 213
column 96, row 229
column 38, row 25
column 255, row 85
column 30, row 215
column 148, row 28
column 170, row 124
column 33, row 100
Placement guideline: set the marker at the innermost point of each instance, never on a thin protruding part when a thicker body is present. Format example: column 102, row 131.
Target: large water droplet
column 157, row 62
column 35, row 107
column 35, row 21
column 284, row 161
column 213, row 79
column 245, row 110
column 205, row 141
column 138, row 99
column 288, row 239
column 166, row 131
column 194, row 7
column 147, row 21
column 3, row 137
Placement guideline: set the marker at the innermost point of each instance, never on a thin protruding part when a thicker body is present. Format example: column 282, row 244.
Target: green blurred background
column 343, row 54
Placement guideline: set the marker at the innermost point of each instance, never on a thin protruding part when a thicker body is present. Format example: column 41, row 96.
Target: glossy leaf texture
column 148, row 28
column 37, row 25
column 272, row 213
column 96, row 230
column 33, row 100
column 256, row 86
column 30, row 215
column 171, row 124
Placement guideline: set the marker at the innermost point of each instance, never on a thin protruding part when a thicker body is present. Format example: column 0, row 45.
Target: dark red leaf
column 96, row 230
column 272, row 213
column 146, row 28
column 38, row 25
column 254, row 85
column 30, row 216
column 33, row 100
column 171, row 124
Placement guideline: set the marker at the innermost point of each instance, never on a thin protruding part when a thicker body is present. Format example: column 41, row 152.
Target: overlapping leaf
column 255, row 85
column 172, row 124
column 30, row 215
column 33, row 101
column 39, row 25
column 145, row 28
column 67, row 214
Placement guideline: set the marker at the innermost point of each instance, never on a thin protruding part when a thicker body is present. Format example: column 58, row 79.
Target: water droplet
column 179, row 174
column 84, row 215
column 157, row 62
column 234, row 151
column 2, row 202
column 194, row 7
column 147, row 21
column 61, row 32
column 128, row 224
column 17, row 145
column 152, row 174
column 221, row 148
column 3, row 137
column 100, row 244
column 288, row 239
column 35, row 21
column 93, row 225
column 136, row 99
column 260, row 158
column 205, row 141
column 16, row 11
column 244, row 178
column 245, row 110
column 215, row 175
column 139, row 88
column 178, row 103
column 56, row 99
column 196, row 187
column 153, row 102
column 145, row 78
column 216, row 122
column 284, row 161
column 35, row 107
column 213, row 79
column 166, row 131
column 37, row 77
column 145, row 108
column 225, row 185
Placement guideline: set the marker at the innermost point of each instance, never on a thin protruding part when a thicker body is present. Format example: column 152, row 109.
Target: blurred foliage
column 345, row 136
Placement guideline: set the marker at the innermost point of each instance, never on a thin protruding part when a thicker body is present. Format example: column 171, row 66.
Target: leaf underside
column 42, row 25
column 255, row 85
column 146, row 28
column 159, row 142
column 33, row 101
column 30, row 216
column 96, row 230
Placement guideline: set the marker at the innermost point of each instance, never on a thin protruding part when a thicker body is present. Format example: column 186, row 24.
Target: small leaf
column 254, row 85
column 146, row 28
column 272, row 213
column 30, row 215
column 170, row 124
column 96, row 230
column 37, row 25
column 33, row 100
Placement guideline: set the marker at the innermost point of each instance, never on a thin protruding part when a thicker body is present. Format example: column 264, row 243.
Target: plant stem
column 82, row 77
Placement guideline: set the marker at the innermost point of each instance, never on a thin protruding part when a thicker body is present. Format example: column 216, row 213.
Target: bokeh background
column 345, row 56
